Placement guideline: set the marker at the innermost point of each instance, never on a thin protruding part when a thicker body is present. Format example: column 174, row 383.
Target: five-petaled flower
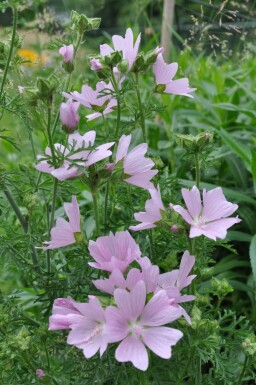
column 210, row 217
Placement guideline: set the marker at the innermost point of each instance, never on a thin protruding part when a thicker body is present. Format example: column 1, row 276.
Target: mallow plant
column 139, row 302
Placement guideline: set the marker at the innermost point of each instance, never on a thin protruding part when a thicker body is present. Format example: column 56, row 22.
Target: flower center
column 97, row 330
column 200, row 221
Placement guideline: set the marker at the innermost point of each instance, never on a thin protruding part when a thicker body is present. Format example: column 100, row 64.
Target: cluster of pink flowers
column 134, row 321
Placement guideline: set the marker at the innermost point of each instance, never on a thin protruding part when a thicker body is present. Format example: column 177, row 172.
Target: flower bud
column 139, row 63
column 46, row 87
column 40, row 373
column 112, row 59
column 67, row 51
column 249, row 345
column 96, row 64
column 123, row 66
column 82, row 23
column 221, row 287
column 68, row 116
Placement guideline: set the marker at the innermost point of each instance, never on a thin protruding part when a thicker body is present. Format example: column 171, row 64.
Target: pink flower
column 210, row 217
column 68, row 114
column 117, row 280
column 139, row 325
column 86, row 321
column 65, row 233
column 136, row 167
column 96, row 64
column 176, row 280
column 40, row 373
column 93, row 99
column 164, row 74
column 114, row 251
column 154, row 209
column 73, row 156
column 125, row 45
column 67, row 51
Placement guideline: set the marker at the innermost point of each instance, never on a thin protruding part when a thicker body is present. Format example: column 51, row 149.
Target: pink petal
column 132, row 349
column 184, row 213
column 216, row 206
column 131, row 304
column 160, row 340
column 193, row 201
column 122, row 148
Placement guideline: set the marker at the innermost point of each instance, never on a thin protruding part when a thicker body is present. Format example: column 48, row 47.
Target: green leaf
column 252, row 254
column 237, row 148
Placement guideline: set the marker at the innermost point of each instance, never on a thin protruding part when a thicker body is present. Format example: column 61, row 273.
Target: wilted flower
column 114, row 251
column 209, row 217
column 93, row 99
column 139, row 325
column 164, row 74
column 136, row 167
column 62, row 309
column 66, row 233
column 68, row 115
column 125, row 45
column 67, row 51
column 74, row 155
column 154, row 209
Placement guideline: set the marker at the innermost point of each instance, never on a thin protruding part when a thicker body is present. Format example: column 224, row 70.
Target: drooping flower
column 94, row 99
column 136, row 167
column 139, row 325
column 73, row 158
column 114, row 251
column 66, row 233
column 210, row 217
column 123, row 44
column 40, row 373
column 176, row 280
column 68, row 115
column 154, row 208
column 67, row 51
column 86, row 321
column 164, row 74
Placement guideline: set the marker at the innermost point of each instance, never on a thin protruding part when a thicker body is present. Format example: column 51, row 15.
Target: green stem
column 15, row 14
column 186, row 367
column 197, row 170
column 142, row 116
column 198, row 378
column 16, row 209
column 54, row 197
column 96, row 212
column 49, row 134
column 143, row 380
column 243, row 371
column 106, row 207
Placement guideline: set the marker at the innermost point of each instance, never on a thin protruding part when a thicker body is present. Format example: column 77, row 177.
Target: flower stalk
column 142, row 115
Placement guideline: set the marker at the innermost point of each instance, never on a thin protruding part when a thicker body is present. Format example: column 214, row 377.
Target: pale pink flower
column 86, row 321
column 210, row 217
column 93, row 99
column 136, row 167
column 68, row 114
column 67, row 51
column 139, row 325
column 125, row 45
column 65, row 232
column 164, row 74
column 176, row 280
column 114, row 251
column 74, row 157
column 21, row 89
column 154, row 210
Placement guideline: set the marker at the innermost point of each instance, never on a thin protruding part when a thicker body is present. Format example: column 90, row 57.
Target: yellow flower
column 32, row 56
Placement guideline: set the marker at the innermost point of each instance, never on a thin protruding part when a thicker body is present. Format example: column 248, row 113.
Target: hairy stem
column 49, row 134
column 106, row 207
column 142, row 116
column 54, row 197
column 14, row 27
column 197, row 170
column 198, row 377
